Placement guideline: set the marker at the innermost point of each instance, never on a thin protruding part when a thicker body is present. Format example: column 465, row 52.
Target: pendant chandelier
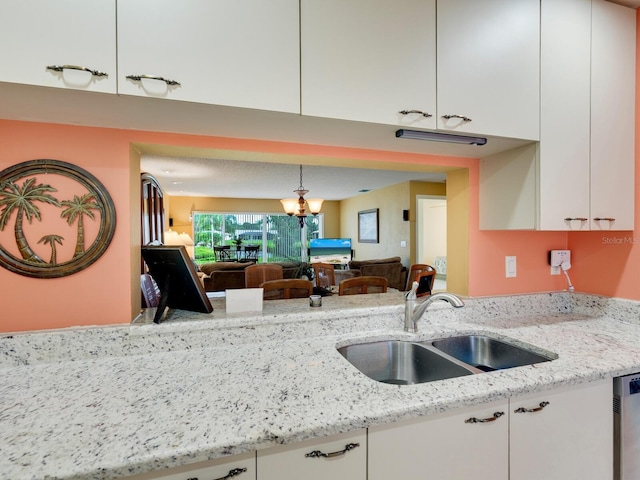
column 296, row 206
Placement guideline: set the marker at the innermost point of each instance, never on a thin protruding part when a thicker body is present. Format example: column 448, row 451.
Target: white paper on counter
column 244, row 300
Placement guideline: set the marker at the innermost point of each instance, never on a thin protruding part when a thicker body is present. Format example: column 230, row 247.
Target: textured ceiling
column 241, row 179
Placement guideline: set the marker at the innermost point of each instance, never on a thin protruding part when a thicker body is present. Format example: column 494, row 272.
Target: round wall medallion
column 55, row 218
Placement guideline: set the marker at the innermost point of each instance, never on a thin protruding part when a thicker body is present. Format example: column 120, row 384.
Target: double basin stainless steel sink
column 405, row 363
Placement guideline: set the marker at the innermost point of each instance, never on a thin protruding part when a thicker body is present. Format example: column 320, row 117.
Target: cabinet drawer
column 340, row 457
column 238, row 467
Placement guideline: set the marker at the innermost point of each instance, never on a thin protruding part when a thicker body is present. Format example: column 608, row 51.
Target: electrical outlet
column 510, row 266
column 557, row 258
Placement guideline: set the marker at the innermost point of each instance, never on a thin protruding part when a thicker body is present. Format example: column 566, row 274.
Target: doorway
column 431, row 235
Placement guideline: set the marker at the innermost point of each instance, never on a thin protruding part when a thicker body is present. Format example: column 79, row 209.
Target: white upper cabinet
column 489, row 67
column 613, row 70
column 565, row 113
column 77, row 38
column 368, row 60
column 580, row 176
column 223, row 52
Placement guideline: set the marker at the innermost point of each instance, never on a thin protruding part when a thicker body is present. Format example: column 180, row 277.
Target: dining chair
column 222, row 253
column 363, row 284
column 287, row 288
column 414, row 271
column 324, row 274
column 425, row 283
column 254, row 275
column 251, row 252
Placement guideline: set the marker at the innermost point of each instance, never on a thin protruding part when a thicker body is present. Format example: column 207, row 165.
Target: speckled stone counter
column 103, row 403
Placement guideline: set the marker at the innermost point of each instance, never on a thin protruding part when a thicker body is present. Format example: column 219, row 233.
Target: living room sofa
column 220, row 276
column 390, row 268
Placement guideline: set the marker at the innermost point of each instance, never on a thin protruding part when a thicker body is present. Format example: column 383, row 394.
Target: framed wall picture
column 368, row 226
column 56, row 219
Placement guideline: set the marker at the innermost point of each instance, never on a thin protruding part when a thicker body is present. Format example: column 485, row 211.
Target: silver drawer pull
column 531, row 410
column 495, row 416
column 570, row 219
column 138, row 78
column 419, row 112
column 605, row 219
column 232, row 473
column 60, row 68
column 319, row 454
column 461, row 117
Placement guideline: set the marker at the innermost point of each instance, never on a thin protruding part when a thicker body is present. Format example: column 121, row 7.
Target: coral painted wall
column 606, row 264
column 99, row 294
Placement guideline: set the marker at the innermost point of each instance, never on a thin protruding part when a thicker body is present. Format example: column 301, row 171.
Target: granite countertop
column 108, row 402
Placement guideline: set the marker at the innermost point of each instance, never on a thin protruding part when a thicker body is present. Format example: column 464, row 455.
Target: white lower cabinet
column 558, row 435
column 449, row 446
column 340, row 457
column 562, row 434
column 571, row 436
column 238, row 467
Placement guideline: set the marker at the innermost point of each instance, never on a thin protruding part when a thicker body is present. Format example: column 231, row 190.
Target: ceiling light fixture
column 440, row 137
column 296, row 206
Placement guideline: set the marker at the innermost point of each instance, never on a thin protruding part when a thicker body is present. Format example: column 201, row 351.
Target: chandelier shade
column 296, row 206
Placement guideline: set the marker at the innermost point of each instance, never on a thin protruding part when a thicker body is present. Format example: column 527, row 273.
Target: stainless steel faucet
column 413, row 312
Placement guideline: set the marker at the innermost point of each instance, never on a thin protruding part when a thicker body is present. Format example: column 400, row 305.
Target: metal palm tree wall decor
column 24, row 195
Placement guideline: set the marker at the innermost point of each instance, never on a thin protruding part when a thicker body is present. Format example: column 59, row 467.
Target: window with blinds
column 279, row 236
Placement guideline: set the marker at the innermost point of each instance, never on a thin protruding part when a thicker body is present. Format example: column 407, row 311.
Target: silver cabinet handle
column 419, row 112
column 60, row 68
column 606, row 219
column 495, row 416
column 138, row 78
column 232, row 473
column 531, row 410
column 319, row 454
column 570, row 219
column 461, row 117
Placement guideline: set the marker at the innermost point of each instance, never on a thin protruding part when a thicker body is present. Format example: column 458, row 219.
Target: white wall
column 432, row 229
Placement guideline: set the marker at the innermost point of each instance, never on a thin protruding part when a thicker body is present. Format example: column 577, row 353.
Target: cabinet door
column 565, row 95
column 340, row 457
column 242, row 54
column 488, row 67
column 75, row 33
column 443, row 447
column 612, row 116
column 367, row 60
column 570, row 437
column 238, row 467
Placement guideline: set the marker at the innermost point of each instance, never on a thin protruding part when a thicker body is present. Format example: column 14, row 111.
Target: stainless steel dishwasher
column 626, row 427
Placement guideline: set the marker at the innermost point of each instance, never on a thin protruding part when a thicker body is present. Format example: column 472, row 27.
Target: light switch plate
column 510, row 266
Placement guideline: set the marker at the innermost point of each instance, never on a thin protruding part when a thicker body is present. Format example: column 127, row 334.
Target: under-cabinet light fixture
column 440, row 137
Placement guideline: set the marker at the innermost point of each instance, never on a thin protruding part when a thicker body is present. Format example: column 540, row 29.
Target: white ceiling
column 247, row 179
